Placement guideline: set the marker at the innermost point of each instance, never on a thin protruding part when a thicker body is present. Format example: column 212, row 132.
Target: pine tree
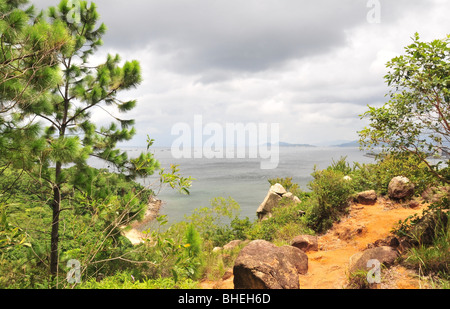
column 71, row 136
column 28, row 50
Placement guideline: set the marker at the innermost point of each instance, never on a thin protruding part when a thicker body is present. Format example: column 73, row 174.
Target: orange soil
column 364, row 225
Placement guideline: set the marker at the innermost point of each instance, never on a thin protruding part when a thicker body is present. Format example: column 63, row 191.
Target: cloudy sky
column 311, row 66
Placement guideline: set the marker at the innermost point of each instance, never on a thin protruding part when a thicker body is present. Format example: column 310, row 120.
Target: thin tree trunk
column 56, row 206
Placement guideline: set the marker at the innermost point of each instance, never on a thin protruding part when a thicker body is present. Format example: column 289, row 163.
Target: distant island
column 349, row 144
column 283, row 144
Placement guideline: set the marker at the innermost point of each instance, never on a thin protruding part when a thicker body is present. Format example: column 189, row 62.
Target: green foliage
column 10, row 235
column 287, row 221
column 238, row 229
column 175, row 180
column 429, row 234
column 416, row 118
column 286, row 183
column 358, row 280
column 91, row 232
column 193, row 245
column 422, row 229
column 183, row 250
column 330, row 199
column 125, row 280
column 70, row 137
column 28, row 54
column 193, row 242
column 341, row 166
column 208, row 219
column 378, row 175
column 218, row 263
column 169, row 255
column 430, row 258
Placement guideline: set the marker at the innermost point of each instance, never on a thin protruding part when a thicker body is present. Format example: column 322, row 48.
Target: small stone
column 306, row 243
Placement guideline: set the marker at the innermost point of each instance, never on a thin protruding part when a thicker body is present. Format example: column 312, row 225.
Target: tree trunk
column 56, row 206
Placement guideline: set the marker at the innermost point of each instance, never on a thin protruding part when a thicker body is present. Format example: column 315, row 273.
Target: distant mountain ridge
column 283, row 144
column 349, row 144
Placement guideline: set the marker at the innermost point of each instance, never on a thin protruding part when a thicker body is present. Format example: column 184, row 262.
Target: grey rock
column 400, row 188
column 262, row 265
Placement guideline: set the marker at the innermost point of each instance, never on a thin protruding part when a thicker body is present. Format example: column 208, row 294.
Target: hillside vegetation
column 182, row 255
column 63, row 223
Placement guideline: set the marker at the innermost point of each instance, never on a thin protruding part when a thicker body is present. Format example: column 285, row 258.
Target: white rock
column 278, row 189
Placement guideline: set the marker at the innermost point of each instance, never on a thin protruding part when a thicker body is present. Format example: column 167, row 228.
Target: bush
column 430, row 236
column 182, row 250
column 341, row 166
column 208, row 220
column 218, row 263
column 286, row 221
column 358, row 281
column 237, row 230
column 193, row 245
column 126, row 280
column 377, row 176
column 434, row 258
column 330, row 196
column 423, row 229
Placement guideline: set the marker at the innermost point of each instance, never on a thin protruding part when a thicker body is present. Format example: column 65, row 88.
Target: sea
column 243, row 179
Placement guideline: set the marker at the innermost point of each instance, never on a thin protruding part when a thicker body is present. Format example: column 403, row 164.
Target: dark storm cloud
column 233, row 35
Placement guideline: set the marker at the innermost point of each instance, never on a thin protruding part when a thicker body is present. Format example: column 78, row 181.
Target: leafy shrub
column 358, row 280
column 182, row 250
column 237, row 230
column 192, row 241
column 330, row 195
column 431, row 260
column 341, row 166
column 212, row 221
column 193, row 245
column 126, row 280
column 218, row 263
column 377, row 176
column 430, row 236
column 434, row 258
column 423, row 229
column 286, row 221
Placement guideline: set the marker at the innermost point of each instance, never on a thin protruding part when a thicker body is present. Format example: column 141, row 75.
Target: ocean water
column 241, row 179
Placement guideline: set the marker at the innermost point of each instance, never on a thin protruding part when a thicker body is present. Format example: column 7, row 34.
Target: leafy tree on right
column 416, row 119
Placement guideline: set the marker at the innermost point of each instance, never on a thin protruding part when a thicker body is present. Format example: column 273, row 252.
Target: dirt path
column 364, row 225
